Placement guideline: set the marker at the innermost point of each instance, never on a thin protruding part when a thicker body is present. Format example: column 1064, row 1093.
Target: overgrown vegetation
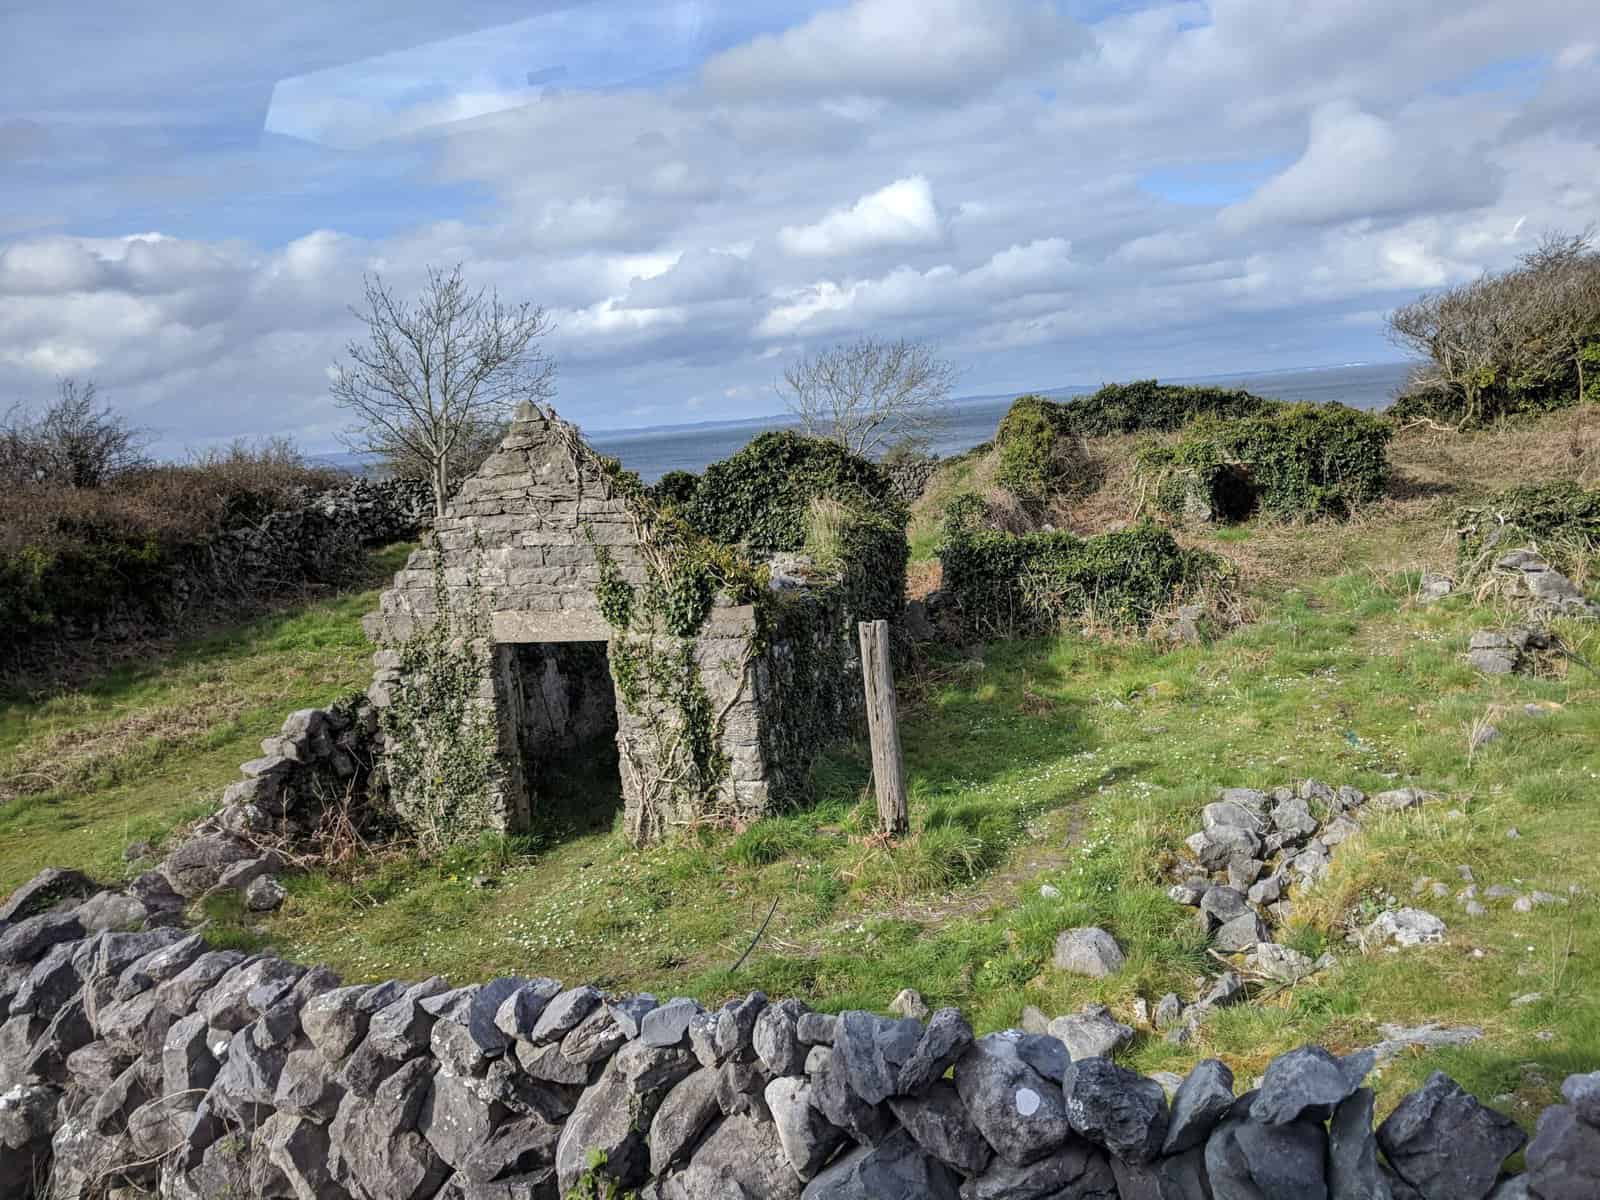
column 866, row 549
column 675, row 487
column 442, row 762
column 1008, row 585
column 1146, row 405
column 1040, row 455
column 1561, row 518
column 1291, row 461
column 760, row 496
column 74, row 556
column 1526, row 340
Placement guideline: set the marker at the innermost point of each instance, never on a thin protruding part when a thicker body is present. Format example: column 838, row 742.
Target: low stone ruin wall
column 144, row 1062
column 321, row 541
column 309, row 776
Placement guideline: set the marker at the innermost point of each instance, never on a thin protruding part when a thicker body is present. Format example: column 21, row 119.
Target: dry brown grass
column 73, row 757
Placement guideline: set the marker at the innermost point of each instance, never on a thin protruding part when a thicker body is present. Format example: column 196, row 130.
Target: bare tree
column 868, row 394
column 1563, row 276
column 430, row 376
column 1510, row 340
column 76, row 442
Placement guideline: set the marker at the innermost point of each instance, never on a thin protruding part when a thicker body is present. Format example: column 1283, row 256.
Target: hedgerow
column 1147, row 405
column 135, row 550
column 1561, row 518
column 760, row 496
column 1030, row 583
column 1291, row 461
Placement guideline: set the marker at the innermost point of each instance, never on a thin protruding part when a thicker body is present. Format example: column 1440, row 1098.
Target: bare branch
column 868, row 395
column 434, row 380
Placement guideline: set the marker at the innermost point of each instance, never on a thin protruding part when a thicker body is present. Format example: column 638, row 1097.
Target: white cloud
column 688, row 233
column 924, row 49
column 1359, row 165
column 901, row 214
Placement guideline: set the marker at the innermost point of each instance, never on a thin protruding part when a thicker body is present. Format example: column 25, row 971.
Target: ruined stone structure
column 524, row 539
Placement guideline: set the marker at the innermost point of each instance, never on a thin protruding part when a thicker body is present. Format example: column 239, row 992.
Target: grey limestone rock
column 937, row 1120
column 519, row 1013
column 776, row 1040
column 1202, row 1099
column 1073, row 1171
column 943, row 1042
column 1088, row 951
column 1443, row 1142
column 894, row 1169
column 1564, row 1156
column 1020, row 1112
column 1353, row 1172
column 1307, row 1084
column 1092, row 1033
column 562, row 1013
column 685, row 1113
column 872, row 1050
column 740, row 1157
column 1180, row 1177
column 808, row 1139
column 27, row 940
column 1116, row 1108
column 668, row 1025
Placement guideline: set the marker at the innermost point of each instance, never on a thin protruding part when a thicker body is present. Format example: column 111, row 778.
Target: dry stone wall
column 319, row 541
column 137, row 1060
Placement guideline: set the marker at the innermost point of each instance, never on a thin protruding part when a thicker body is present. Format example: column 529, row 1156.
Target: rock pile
column 1516, row 650
column 1552, row 592
column 1256, row 846
column 320, row 756
column 145, row 1061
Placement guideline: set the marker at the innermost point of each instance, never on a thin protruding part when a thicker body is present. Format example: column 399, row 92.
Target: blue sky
column 699, row 191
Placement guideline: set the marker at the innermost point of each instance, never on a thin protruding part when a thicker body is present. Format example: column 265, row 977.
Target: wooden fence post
column 883, row 725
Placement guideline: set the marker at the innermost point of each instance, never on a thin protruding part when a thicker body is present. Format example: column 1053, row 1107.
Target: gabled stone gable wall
column 521, row 529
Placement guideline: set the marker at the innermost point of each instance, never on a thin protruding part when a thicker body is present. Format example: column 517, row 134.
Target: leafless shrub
column 433, row 376
column 76, row 442
column 869, row 395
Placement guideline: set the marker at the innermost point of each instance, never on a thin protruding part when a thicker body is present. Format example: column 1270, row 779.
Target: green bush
column 1562, row 518
column 675, row 487
column 1148, row 406
column 1039, row 455
column 760, row 496
column 1294, row 460
column 1006, row 583
column 868, row 549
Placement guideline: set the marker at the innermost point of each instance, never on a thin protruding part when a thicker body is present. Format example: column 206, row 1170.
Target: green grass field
column 1077, row 761
column 151, row 743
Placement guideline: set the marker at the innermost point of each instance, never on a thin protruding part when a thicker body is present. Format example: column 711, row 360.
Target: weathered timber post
column 883, row 725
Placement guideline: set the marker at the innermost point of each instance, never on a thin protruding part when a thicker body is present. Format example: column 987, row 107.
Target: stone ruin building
column 528, row 530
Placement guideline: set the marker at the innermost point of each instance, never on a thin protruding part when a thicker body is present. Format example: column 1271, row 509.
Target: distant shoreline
column 653, row 450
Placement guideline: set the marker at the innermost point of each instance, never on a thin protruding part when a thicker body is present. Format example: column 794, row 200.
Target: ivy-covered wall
column 1005, row 584
column 1290, row 461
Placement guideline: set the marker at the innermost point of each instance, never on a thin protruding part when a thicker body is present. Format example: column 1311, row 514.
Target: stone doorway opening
column 564, row 715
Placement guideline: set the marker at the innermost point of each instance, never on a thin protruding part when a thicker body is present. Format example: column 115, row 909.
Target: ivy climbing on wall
column 671, row 741
column 442, row 762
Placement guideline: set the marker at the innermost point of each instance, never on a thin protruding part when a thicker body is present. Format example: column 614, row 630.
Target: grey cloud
column 651, row 224
column 920, row 49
